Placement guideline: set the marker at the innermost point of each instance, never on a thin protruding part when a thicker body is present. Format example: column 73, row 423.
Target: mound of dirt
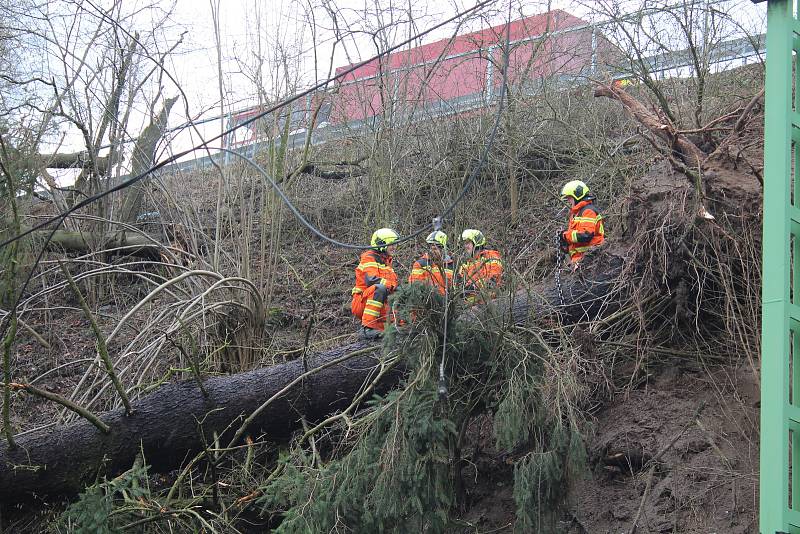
column 706, row 478
column 703, row 428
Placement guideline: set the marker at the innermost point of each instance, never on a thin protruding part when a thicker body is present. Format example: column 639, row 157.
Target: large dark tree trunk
column 166, row 424
column 123, row 242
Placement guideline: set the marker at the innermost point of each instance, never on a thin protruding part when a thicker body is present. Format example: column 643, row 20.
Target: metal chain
column 442, row 388
column 558, row 271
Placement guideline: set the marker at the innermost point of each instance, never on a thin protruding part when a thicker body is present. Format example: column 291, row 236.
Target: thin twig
column 102, row 348
column 63, row 401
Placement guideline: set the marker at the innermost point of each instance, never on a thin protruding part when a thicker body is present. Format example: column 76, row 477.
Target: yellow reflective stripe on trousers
column 377, row 303
column 372, row 313
column 432, row 270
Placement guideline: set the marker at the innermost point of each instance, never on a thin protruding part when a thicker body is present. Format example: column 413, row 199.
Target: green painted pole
column 775, row 330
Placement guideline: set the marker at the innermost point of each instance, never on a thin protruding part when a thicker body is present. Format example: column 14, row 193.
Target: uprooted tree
column 369, row 431
column 170, row 423
column 496, row 359
column 356, row 429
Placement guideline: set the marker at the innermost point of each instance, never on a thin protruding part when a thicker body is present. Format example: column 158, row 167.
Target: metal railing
column 661, row 65
column 779, row 474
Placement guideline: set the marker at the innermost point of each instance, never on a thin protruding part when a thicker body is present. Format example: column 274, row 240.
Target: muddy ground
column 703, row 426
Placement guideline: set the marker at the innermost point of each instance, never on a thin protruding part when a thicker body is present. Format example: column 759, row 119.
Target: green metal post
column 780, row 414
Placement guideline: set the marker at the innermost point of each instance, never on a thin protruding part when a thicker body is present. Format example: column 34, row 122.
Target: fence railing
column 723, row 56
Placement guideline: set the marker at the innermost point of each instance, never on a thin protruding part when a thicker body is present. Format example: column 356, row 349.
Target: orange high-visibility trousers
column 371, row 306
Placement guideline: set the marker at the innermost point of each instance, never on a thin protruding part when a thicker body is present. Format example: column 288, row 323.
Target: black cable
column 299, row 216
column 127, row 183
column 471, row 180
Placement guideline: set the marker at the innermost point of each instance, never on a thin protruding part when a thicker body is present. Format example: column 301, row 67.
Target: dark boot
column 370, row 334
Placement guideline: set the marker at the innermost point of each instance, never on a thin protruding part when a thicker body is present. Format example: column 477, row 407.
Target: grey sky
column 258, row 35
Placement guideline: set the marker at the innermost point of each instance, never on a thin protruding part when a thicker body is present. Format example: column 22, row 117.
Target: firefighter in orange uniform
column 434, row 268
column 483, row 270
column 375, row 281
column 585, row 228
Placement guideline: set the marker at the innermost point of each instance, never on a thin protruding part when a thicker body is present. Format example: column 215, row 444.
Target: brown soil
column 705, row 480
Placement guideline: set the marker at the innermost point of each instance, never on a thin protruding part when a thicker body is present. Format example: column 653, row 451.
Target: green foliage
column 396, row 470
column 539, row 480
column 553, row 451
column 91, row 513
column 518, row 411
column 405, row 452
column 398, row 476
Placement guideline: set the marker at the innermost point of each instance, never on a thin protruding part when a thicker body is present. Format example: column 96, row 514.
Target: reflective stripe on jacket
column 585, row 229
column 374, row 268
column 428, row 272
column 485, row 269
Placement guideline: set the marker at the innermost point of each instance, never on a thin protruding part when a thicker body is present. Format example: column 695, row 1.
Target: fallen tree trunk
column 83, row 242
column 76, row 160
column 167, row 424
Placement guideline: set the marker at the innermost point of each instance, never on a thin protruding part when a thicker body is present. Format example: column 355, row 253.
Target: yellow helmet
column 383, row 237
column 437, row 238
column 476, row 236
column 575, row 189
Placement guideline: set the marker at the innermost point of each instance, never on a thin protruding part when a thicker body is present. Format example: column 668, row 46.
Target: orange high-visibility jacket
column 374, row 268
column 585, row 229
column 428, row 272
column 484, row 269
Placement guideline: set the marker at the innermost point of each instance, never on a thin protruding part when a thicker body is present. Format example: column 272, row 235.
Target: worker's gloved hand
column 562, row 241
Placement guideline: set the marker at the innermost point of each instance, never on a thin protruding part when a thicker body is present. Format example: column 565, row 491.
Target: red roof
column 528, row 27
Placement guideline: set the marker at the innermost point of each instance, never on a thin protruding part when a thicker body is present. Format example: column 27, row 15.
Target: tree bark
column 133, row 244
column 143, row 153
column 687, row 151
column 76, row 160
column 166, row 424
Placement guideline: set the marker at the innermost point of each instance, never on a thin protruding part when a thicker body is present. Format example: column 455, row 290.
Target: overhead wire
column 127, row 183
column 461, row 194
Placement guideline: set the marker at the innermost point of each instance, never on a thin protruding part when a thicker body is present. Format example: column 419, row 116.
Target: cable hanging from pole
column 437, row 222
column 60, row 218
column 127, row 183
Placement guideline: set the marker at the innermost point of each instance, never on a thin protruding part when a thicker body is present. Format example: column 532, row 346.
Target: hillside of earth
column 636, row 407
column 179, row 352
